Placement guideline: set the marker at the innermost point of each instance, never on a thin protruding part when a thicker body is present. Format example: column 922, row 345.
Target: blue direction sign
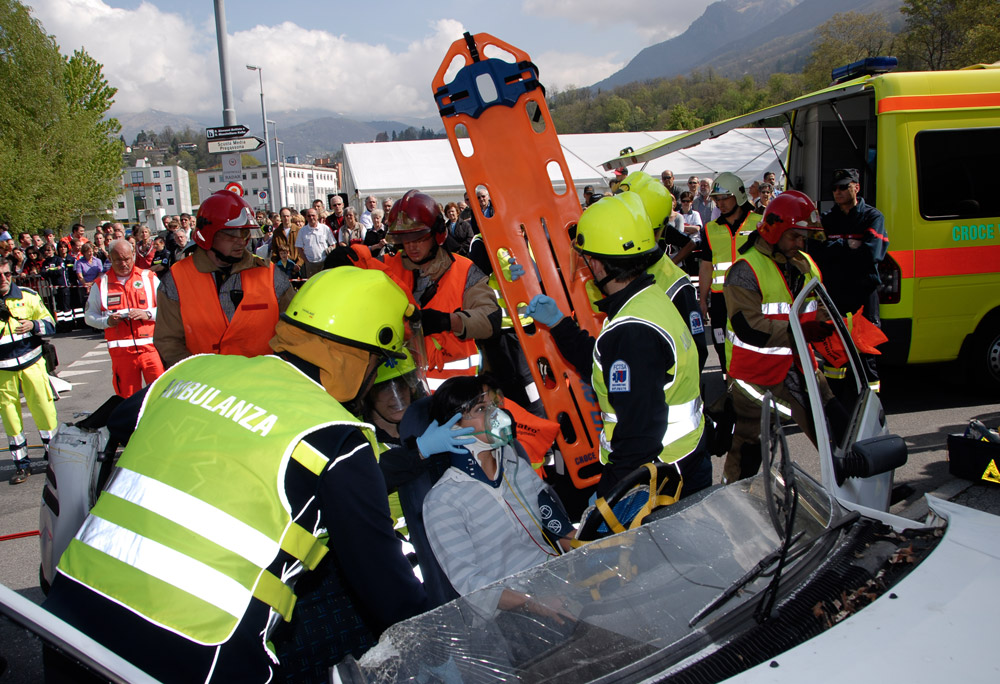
column 226, row 132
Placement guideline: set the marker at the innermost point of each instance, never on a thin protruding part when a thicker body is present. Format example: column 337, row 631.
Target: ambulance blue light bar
column 864, row 67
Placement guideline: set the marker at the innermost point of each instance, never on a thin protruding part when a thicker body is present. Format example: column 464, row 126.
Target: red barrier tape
column 19, row 535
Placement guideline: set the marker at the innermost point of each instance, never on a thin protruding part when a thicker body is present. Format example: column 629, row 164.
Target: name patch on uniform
column 694, row 319
column 114, row 300
column 619, row 379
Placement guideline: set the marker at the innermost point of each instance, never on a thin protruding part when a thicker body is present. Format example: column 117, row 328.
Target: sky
column 371, row 60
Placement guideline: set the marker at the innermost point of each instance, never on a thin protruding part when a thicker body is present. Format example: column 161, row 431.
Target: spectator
column 371, row 202
column 264, row 246
column 667, row 178
column 123, row 305
column 117, row 231
column 24, row 240
column 588, row 190
column 351, row 232
column 88, row 267
column 181, row 246
column 22, row 369
column 33, row 261
column 54, row 269
column 335, row 219
column 315, row 241
column 386, row 206
column 49, row 237
column 285, row 263
column 161, row 257
column 692, row 187
column 37, row 240
column 485, row 202
column 187, row 223
column 691, row 218
column 17, row 261
column 375, row 237
column 78, row 233
column 464, row 210
column 703, row 202
column 144, row 250
column 766, row 195
column 459, row 231
column 100, row 246
column 285, row 233
column 484, row 515
column 769, row 178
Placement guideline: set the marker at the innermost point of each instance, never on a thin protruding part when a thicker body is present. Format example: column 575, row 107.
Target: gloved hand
column 817, row 331
column 434, row 321
column 544, row 310
column 341, row 256
column 437, row 439
column 516, row 271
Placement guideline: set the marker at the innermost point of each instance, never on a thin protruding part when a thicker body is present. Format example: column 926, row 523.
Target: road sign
column 232, row 167
column 225, row 132
column 262, row 194
column 235, row 145
column 235, row 187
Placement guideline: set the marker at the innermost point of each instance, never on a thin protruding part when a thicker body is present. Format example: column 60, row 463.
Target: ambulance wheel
column 984, row 353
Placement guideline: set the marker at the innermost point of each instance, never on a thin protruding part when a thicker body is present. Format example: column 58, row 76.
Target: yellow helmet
column 395, row 368
column 657, row 201
column 635, row 180
column 615, row 227
column 354, row 306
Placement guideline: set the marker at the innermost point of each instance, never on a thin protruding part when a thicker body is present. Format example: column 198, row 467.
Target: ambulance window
column 957, row 173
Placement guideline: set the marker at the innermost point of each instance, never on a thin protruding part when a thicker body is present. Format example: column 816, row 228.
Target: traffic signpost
column 235, row 145
column 226, row 132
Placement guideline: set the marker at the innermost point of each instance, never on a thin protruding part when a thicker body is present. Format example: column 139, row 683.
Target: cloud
column 561, row 70
column 653, row 20
column 167, row 72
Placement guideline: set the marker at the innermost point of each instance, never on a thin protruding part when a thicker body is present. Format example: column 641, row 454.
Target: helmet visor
column 401, row 237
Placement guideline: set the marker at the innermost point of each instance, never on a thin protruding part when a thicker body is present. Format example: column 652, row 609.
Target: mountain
column 155, row 120
column 737, row 37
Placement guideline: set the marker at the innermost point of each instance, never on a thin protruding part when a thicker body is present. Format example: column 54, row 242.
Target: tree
column 59, row 157
column 949, row 34
column 844, row 38
column 681, row 118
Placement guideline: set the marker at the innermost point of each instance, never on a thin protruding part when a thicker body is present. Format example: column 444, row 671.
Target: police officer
column 769, row 272
column 644, row 364
column 241, row 474
column 23, row 321
column 856, row 243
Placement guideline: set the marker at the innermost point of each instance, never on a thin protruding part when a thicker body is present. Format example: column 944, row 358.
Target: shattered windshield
column 620, row 606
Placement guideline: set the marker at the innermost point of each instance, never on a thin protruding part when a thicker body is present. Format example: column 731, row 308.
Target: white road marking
column 89, row 362
column 71, row 373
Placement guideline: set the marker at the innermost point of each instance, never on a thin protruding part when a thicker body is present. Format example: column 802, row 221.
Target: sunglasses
column 841, row 186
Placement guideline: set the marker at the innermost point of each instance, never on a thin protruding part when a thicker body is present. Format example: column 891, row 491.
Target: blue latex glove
column 516, row 271
column 437, row 439
column 544, row 310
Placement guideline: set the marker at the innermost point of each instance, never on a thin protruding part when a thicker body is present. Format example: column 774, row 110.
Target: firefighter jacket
column 758, row 338
column 725, row 244
column 20, row 350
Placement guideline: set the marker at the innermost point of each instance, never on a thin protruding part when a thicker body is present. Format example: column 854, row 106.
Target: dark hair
column 454, row 393
column 687, row 194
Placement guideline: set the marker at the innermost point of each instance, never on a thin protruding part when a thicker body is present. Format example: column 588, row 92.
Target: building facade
column 296, row 185
column 150, row 192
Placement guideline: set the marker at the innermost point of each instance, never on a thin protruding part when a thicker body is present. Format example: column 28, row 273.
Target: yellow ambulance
column 927, row 145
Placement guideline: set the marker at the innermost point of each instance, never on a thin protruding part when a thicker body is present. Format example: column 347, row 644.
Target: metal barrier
column 66, row 303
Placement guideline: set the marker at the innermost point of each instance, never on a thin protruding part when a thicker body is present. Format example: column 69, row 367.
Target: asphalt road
column 923, row 404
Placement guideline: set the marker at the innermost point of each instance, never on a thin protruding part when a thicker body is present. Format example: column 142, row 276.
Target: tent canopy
column 388, row 169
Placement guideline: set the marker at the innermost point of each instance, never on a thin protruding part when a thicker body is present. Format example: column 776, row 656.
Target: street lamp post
column 277, row 165
column 278, row 147
column 267, row 142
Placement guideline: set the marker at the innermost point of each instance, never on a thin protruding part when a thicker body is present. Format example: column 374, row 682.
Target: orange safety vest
column 137, row 292
column 206, row 330
column 447, row 356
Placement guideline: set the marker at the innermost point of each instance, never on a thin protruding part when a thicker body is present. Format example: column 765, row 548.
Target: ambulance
column 927, row 146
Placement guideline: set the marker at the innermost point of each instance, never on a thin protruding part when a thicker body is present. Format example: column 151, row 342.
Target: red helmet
column 413, row 216
column 224, row 209
column 789, row 210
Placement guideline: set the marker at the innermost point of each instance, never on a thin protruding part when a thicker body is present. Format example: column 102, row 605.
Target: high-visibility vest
column 504, row 257
column 669, row 276
column 681, row 393
column 725, row 246
column 766, row 366
column 185, row 531
column 20, row 350
column 447, row 356
column 137, row 292
column 206, row 330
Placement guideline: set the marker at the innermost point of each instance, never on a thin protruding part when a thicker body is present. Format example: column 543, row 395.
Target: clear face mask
column 498, row 427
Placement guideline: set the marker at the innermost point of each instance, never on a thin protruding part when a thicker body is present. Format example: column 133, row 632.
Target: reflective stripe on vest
column 185, row 532
column 685, row 421
column 21, row 360
column 725, row 246
column 206, row 330
column 766, row 366
column 137, row 292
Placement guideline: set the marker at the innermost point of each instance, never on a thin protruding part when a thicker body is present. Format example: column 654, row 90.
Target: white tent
column 389, row 169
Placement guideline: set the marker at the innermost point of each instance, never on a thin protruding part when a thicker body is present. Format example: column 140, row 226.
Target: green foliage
column 950, row 34
column 679, row 103
column 845, row 38
column 59, row 157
